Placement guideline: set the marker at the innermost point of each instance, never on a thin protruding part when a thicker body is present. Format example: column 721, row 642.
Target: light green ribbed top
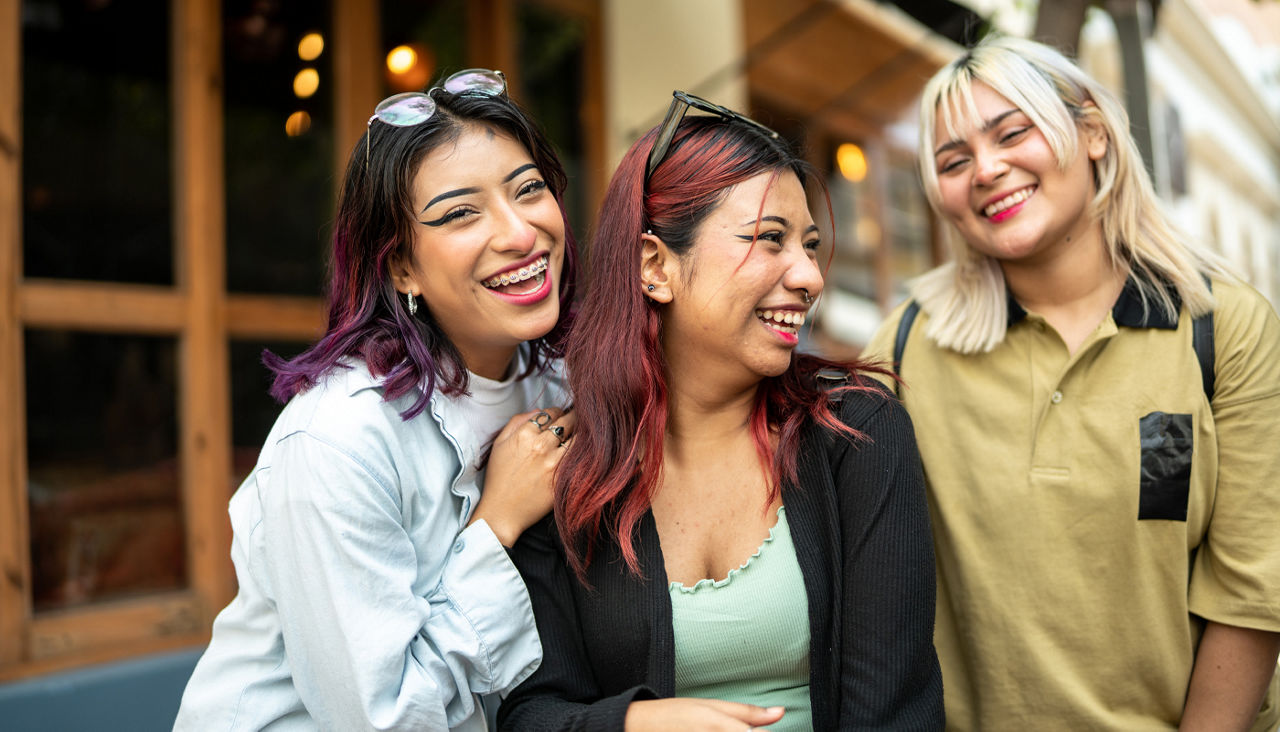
column 745, row 638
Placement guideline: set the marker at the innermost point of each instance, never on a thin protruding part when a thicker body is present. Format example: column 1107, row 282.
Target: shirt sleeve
column 365, row 650
column 1236, row 576
column 563, row 693
column 890, row 678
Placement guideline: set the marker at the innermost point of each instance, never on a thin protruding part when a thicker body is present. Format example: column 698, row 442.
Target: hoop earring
column 413, row 303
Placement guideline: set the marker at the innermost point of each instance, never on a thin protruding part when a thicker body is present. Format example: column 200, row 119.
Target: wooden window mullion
column 199, row 238
column 15, row 565
column 357, row 66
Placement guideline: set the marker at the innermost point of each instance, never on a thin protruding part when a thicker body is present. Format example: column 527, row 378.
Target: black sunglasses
column 680, row 104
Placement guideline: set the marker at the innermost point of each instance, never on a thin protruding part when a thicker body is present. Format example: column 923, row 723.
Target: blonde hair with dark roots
column 965, row 298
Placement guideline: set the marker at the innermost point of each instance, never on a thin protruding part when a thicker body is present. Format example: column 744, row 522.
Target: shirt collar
column 1128, row 310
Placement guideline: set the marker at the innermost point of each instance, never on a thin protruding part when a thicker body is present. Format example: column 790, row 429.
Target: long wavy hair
column 965, row 298
column 367, row 318
column 617, row 369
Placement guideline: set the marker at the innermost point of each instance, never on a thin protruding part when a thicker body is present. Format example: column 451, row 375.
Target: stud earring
column 652, row 288
column 413, row 302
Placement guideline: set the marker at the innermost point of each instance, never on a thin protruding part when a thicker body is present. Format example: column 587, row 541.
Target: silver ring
column 558, row 431
column 539, row 420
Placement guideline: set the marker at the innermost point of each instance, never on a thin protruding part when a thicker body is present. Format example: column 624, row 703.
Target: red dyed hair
column 617, row 370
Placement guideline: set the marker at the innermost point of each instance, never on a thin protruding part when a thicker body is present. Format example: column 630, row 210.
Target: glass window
column 552, row 56
column 434, row 31
column 909, row 224
column 253, row 411
column 96, row 141
column 856, row 236
column 106, row 514
column 279, row 145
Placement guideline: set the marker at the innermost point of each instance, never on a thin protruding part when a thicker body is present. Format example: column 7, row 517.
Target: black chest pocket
column 1167, row 444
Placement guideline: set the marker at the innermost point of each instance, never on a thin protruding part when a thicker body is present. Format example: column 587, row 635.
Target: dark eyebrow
column 465, row 191
column 986, row 127
column 779, row 220
column 773, row 219
column 512, row 175
column 449, row 194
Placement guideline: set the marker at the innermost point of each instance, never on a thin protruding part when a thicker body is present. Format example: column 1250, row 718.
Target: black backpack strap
column 1202, row 342
column 900, row 341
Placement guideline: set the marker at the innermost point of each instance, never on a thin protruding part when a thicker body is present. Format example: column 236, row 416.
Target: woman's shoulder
column 348, row 394
column 1238, row 299
column 858, row 398
column 345, row 413
column 341, row 426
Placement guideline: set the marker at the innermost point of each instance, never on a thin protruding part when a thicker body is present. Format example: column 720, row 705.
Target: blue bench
column 137, row 695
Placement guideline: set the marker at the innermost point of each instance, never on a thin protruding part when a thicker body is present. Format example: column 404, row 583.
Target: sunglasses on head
column 414, row 108
column 680, row 103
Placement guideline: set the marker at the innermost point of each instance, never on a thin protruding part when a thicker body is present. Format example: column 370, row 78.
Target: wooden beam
column 275, row 316
column 101, row 307
column 15, row 565
column 111, row 631
column 357, row 72
column 199, row 234
column 594, row 126
column 491, row 40
column 94, row 655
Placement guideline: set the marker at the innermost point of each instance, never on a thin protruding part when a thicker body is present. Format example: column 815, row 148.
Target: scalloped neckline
column 707, row 583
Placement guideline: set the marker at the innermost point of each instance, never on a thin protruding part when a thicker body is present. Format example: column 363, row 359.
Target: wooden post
column 199, row 238
column 15, row 572
column 357, row 68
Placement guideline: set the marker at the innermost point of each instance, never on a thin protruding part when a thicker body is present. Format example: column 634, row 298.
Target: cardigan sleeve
column 889, row 673
column 563, row 693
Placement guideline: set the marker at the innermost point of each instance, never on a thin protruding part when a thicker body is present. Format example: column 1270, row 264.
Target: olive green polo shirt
column 1088, row 509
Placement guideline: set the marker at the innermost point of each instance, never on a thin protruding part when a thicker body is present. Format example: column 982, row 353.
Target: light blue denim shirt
column 364, row 603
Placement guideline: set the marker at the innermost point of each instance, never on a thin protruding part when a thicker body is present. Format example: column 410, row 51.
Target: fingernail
column 776, row 710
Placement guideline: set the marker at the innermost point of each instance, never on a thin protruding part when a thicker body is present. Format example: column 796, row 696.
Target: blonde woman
column 1098, row 408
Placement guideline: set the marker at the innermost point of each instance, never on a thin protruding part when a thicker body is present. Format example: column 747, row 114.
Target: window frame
column 197, row 309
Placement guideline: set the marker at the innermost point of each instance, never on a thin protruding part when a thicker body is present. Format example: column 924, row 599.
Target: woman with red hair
column 740, row 534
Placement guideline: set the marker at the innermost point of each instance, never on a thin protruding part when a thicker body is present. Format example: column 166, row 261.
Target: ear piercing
column 651, row 288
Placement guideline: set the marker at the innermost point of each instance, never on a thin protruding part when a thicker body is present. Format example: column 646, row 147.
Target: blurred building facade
column 168, row 172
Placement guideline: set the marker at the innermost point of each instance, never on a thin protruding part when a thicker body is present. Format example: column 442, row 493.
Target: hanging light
column 310, row 47
column 305, row 83
column 297, row 124
column 409, row 67
column 852, row 162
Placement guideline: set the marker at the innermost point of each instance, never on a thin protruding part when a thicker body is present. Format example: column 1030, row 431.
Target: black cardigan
column 860, row 526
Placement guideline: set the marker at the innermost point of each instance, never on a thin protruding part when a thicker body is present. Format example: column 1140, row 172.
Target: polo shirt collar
column 1127, row 311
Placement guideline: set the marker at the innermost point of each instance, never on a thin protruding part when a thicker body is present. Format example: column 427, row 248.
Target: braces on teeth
column 520, row 275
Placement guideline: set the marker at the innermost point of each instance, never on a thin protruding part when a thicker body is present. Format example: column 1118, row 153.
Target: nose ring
column 807, row 297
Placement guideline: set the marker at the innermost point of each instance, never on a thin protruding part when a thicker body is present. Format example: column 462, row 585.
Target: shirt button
column 1056, row 398
column 458, row 546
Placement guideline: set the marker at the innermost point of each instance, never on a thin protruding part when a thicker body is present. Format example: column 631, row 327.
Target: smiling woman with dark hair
column 740, row 534
column 375, row 587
